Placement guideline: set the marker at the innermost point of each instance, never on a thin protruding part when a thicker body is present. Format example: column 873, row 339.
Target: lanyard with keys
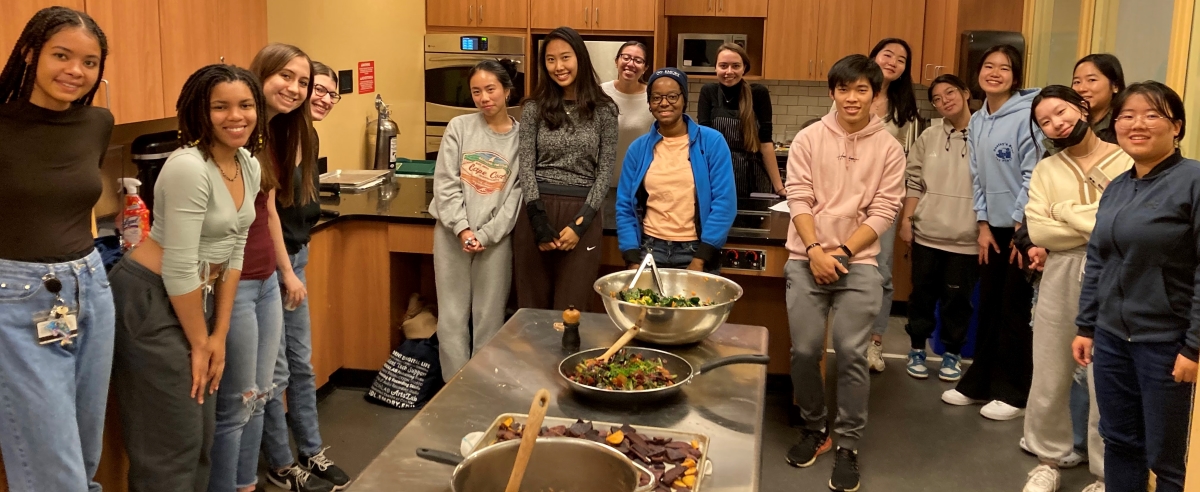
column 58, row 324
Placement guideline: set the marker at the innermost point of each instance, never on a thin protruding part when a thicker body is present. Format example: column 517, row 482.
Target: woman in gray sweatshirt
column 475, row 200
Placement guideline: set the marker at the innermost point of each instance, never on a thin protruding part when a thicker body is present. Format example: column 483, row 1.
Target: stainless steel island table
column 725, row 404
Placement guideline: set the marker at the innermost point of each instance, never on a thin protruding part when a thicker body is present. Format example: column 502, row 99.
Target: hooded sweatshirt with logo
column 939, row 175
column 1003, row 152
column 844, row 180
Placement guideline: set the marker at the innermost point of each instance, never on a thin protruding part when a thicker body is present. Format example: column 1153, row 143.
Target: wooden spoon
column 620, row 343
column 537, row 412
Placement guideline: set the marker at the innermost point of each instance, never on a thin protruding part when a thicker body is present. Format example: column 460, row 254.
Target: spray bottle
column 133, row 221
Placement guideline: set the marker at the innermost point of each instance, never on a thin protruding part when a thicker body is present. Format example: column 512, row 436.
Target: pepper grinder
column 570, row 338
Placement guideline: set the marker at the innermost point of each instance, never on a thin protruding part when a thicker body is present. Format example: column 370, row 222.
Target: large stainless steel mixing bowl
column 670, row 326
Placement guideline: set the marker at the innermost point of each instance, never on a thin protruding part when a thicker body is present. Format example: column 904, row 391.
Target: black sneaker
column 845, row 471
column 324, row 468
column 812, row 444
column 297, row 479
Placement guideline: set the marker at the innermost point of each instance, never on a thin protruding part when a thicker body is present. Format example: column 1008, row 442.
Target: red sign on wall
column 366, row 77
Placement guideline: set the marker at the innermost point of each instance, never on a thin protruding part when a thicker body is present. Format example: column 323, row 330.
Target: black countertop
column 407, row 201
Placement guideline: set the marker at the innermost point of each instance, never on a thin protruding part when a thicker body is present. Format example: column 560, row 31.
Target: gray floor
column 913, row 442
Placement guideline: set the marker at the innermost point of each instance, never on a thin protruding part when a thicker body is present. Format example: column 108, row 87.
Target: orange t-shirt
column 671, row 204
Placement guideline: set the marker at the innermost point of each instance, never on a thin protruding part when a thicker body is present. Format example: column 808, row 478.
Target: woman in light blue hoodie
column 1003, row 152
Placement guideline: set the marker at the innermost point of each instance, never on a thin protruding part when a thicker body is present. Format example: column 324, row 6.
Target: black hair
column 323, row 69
column 949, row 78
column 195, row 122
column 502, row 72
column 851, row 69
column 1162, row 98
column 17, row 78
column 902, row 101
column 549, row 96
column 1014, row 60
column 1063, row 93
column 646, row 51
column 1109, row 66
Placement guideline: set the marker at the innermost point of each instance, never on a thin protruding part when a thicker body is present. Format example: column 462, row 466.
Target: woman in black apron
column 742, row 113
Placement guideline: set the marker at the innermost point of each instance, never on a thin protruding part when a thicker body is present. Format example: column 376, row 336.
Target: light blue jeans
column 294, row 374
column 251, row 350
column 53, row 397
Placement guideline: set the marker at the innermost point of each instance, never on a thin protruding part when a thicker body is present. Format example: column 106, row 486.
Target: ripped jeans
column 255, row 331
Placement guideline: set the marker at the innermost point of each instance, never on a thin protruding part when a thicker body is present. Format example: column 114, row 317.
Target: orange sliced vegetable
column 508, row 422
column 615, row 438
column 695, row 444
column 689, row 480
column 689, row 463
column 678, row 484
column 690, row 471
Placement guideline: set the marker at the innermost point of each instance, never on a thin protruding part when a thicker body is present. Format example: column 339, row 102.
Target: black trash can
column 149, row 152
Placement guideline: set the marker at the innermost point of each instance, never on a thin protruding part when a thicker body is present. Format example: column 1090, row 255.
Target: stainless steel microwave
column 698, row 52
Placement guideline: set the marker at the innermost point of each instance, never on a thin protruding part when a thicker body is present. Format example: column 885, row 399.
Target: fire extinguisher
column 384, row 151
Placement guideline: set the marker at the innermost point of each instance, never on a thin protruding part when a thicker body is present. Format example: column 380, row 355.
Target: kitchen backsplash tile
column 795, row 102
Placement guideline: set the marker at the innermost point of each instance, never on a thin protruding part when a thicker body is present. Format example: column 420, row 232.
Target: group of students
column 202, row 326
column 1086, row 248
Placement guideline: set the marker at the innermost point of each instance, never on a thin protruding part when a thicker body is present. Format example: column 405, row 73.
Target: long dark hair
column 645, row 55
column 192, row 107
column 17, row 78
column 1064, row 93
column 288, row 134
column 902, row 102
column 1014, row 60
column 745, row 100
column 1109, row 66
column 548, row 95
column 1162, row 98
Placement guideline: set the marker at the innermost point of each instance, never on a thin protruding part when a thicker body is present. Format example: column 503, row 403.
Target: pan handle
column 733, row 359
column 437, row 456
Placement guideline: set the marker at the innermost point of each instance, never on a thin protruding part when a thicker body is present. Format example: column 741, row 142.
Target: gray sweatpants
column 1048, row 430
column 470, row 288
column 886, row 259
column 167, row 434
column 850, row 306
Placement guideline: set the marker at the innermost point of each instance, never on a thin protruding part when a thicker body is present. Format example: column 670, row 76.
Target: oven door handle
column 445, row 61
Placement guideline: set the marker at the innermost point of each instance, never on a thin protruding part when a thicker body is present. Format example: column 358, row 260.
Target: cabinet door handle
column 720, row 5
column 810, row 68
column 938, row 70
column 107, row 94
column 709, row 5
column 925, row 72
column 481, row 14
column 586, row 14
column 222, row 60
column 597, row 19
column 471, row 14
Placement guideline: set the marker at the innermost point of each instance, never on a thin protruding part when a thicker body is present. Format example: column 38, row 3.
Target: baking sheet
column 489, row 436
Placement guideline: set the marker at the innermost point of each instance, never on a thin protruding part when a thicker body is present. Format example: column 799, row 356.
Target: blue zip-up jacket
column 1003, row 153
column 1143, row 260
column 716, row 196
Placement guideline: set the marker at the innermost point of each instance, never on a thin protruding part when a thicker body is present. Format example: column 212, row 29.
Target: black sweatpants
column 1003, row 365
column 941, row 276
column 556, row 279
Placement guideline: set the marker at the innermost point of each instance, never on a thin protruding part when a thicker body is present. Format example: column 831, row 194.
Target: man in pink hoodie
column 844, row 184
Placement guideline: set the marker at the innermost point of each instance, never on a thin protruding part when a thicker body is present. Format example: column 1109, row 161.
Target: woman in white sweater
column 629, row 92
column 1064, row 194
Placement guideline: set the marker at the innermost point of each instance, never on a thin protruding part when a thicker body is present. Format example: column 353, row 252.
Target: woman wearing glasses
column 629, row 92
column 677, row 198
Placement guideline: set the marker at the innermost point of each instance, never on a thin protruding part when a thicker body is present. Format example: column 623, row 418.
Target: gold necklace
column 237, row 171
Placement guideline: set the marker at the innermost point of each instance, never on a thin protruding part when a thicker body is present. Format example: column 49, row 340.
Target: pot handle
column 643, row 470
column 733, row 359
column 437, row 456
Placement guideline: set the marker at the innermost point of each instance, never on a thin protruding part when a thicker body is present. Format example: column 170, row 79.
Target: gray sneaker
column 875, row 357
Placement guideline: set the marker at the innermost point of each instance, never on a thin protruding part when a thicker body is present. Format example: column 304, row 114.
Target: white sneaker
column 1094, row 487
column 1044, row 478
column 953, row 397
column 1071, row 461
column 875, row 356
column 998, row 410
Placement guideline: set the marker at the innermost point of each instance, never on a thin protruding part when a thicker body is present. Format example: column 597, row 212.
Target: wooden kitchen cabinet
column 790, row 47
column 622, row 15
column 133, row 70
column 242, row 29
column 190, row 40
column 14, row 14
column 904, row 19
column 836, row 36
column 502, row 13
column 450, row 13
column 550, row 14
column 723, row 8
column 940, row 51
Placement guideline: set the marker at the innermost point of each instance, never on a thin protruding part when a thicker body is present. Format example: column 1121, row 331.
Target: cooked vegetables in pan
column 648, row 297
column 623, row 371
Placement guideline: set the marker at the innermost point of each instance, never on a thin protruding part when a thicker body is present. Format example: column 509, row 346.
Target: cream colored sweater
column 1063, row 199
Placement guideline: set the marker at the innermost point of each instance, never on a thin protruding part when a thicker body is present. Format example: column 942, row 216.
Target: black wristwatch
column 849, row 253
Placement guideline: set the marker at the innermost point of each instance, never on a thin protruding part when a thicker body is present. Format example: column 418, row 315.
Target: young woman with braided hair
column 175, row 291
column 56, row 309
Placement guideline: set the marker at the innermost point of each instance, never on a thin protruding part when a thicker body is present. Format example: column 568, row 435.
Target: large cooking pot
column 557, row 463
column 670, row 326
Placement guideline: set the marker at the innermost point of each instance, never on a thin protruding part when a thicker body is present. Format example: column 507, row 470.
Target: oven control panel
column 744, row 259
column 474, row 43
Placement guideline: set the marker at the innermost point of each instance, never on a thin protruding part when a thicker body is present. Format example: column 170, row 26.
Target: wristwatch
column 811, row 246
column 847, row 251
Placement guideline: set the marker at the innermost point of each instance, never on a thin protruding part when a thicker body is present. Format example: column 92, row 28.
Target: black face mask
column 1077, row 135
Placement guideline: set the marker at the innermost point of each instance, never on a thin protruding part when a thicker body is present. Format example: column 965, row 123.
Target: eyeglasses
column 671, row 98
column 1148, row 119
column 321, row 91
column 637, row 60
